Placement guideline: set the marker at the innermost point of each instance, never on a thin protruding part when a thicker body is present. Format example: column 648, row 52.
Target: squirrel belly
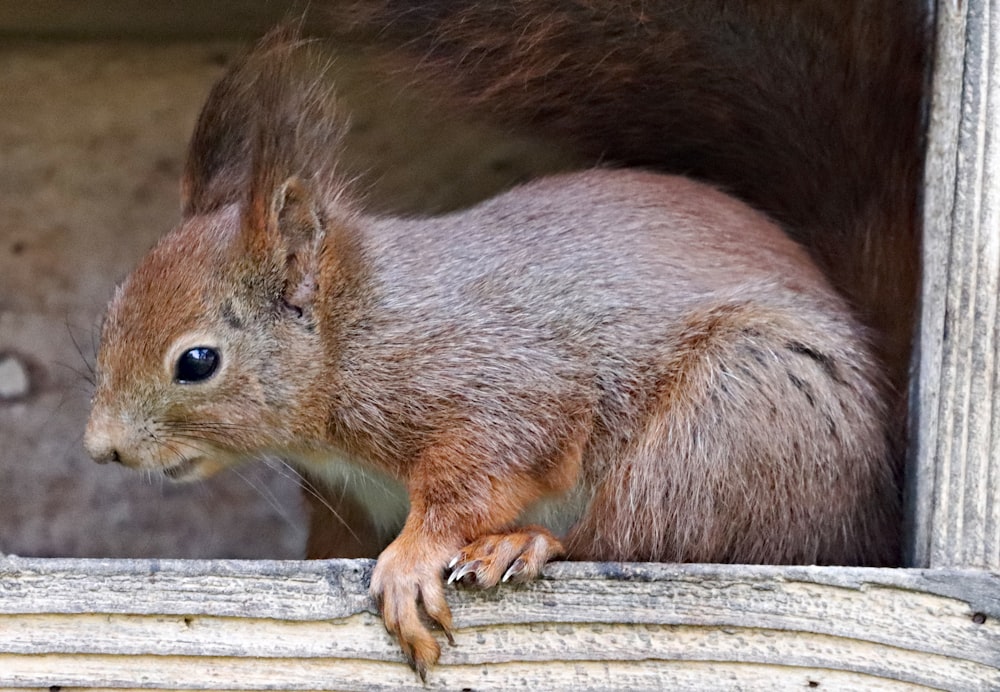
column 383, row 504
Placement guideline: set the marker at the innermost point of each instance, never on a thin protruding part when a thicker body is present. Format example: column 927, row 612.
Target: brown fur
column 652, row 358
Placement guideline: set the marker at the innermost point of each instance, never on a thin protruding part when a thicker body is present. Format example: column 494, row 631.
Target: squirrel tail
column 809, row 110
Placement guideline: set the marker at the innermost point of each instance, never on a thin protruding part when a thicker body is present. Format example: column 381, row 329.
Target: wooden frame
column 293, row 625
column 955, row 469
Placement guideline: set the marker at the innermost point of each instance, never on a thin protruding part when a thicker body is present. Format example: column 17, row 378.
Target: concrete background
column 93, row 125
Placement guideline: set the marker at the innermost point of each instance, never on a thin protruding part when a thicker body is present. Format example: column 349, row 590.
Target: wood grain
column 954, row 484
column 310, row 625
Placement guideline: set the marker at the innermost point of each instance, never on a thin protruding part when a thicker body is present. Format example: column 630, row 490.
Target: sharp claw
column 516, row 568
column 454, row 561
column 460, row 573
column 408, row 655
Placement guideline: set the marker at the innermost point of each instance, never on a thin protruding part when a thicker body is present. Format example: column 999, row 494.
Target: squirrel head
column 211, row 349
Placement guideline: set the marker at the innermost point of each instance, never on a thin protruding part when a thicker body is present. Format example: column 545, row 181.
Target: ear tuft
column 243, row 101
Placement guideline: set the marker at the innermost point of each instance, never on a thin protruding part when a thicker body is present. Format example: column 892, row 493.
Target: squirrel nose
column 107, row 457
column 100, row 443
column 101, row 450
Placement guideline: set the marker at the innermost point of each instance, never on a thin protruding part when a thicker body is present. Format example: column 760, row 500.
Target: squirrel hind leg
column 768, row 444
column 516, row 556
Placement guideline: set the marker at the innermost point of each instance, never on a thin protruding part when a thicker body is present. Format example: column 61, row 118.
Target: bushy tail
column 808, row 109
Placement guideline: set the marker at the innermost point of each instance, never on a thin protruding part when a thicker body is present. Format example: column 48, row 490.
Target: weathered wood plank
column 276, row 643
column 160, row 673
column 954, row 483
column 305, row 625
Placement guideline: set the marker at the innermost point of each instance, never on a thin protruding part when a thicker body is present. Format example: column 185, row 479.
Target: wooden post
column 954, row 483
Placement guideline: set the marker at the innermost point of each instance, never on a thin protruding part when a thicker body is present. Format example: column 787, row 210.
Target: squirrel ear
column 296, row 225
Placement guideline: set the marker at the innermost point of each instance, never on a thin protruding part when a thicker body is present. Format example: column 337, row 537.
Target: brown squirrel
column 643, row 365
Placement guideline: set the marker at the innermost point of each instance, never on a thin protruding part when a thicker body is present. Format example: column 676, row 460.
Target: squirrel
column 613, row 364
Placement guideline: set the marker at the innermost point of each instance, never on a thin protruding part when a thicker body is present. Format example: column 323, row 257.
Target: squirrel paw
column 518, row 556
column 401, row 582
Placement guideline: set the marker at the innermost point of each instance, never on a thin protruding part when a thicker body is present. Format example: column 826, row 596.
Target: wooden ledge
column 172, row 624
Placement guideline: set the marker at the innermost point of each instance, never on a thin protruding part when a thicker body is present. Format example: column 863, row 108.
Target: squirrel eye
column 196, row 365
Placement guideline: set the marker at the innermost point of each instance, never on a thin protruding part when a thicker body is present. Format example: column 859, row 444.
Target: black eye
column 196, row 365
